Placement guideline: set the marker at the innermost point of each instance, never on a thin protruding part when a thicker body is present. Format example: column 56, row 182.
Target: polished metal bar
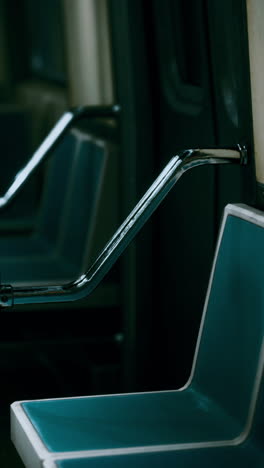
column 51, row 141
column 86, row 283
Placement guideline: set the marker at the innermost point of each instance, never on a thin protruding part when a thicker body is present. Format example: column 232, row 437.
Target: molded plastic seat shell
column 215, row 420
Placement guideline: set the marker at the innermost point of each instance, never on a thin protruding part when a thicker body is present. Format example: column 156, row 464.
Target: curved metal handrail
column 86, row 283
column 51, row 141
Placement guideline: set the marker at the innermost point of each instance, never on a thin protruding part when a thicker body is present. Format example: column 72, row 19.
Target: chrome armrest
column 86, row 283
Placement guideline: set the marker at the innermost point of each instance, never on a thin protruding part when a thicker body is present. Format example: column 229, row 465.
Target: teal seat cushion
column 96, row 423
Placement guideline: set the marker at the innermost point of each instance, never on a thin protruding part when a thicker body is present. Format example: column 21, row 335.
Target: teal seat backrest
column 82, row 197
column 56, row 186
column 229, row 350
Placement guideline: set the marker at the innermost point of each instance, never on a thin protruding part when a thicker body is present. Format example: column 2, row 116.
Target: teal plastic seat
column 216, row 419
column 57, row 249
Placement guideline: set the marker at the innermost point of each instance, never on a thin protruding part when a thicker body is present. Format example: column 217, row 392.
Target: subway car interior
column 106, row 277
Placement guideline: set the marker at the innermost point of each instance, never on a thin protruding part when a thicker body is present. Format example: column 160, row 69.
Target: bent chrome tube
column 86, row 283
column 49, row 143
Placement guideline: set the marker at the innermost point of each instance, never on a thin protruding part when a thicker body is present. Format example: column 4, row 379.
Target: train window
column 186, row 40
column 179, row 36
column 45, row 37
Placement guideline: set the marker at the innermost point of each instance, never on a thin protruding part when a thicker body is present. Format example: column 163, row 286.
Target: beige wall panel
column 88, row 52
column 255, row 13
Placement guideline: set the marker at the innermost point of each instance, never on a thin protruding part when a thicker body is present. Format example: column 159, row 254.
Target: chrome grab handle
column 49, row 143
column 86, row 283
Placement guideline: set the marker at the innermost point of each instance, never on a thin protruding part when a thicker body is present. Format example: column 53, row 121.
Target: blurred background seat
column 58, row 248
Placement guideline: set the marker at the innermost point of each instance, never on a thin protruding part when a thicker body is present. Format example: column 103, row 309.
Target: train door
column 182, row 77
